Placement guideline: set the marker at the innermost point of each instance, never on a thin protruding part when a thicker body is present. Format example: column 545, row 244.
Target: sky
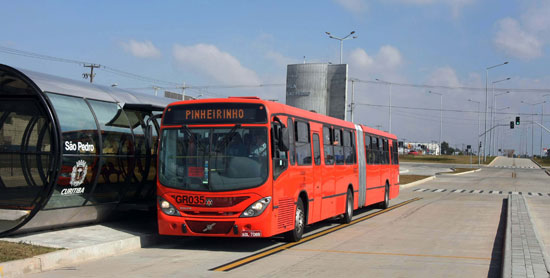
column 420, row 45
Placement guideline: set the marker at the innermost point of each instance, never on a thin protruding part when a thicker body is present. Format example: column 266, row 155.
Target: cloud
column 353, row 6
column 512, row 39
column 526, row 36
column 207, row 59
column 444, row 76
column 279, row 58
column 145, row 49
column 456, row 5
column 388, row 59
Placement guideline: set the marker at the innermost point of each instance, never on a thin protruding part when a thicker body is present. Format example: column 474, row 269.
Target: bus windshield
column 213, row 159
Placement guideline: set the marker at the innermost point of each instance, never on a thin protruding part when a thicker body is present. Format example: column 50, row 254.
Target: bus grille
column 286, row 213
column 210, row 227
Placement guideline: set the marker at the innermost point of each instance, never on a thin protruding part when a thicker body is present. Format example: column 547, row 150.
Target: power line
column 444, row 110
column 425, row 86
column 112, row 70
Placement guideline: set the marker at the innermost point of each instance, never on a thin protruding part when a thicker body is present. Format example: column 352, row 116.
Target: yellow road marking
column 306, row 239
column 392, row 254
column 1, row 272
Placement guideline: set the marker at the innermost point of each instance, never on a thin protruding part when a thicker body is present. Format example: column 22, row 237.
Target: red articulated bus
column 246, row 167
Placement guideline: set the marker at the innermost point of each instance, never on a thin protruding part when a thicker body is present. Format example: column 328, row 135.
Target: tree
column 444, row 147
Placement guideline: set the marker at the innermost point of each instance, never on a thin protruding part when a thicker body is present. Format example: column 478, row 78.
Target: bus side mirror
column 284, row 143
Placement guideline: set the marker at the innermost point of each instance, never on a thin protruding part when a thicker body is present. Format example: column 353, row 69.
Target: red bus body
column 322, row 188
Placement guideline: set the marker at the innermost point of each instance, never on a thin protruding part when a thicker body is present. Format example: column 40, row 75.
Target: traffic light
column 512, row 124
column 517, row 120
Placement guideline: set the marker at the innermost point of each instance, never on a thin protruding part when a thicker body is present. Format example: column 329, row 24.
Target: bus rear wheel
column 299, row 223
column 386, row 203
column 349, row 208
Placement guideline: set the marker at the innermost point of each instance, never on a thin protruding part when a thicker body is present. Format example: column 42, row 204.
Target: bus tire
column 349, row 208
column 299, row 223
column 386, row 203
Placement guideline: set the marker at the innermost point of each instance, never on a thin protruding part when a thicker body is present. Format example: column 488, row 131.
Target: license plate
column 189, row 199
column 251, row 234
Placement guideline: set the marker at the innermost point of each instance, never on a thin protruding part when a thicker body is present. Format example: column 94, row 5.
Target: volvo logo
column 209, row 227
column 209, row 202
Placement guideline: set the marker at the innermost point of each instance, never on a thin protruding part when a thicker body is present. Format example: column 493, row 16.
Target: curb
column 79, row 255
column 493, row 162
column 540, row 166
column 506, row 271
column 414, row 183
column 462, row 173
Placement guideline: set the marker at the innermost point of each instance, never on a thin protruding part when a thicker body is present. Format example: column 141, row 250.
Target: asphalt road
column 444, row 234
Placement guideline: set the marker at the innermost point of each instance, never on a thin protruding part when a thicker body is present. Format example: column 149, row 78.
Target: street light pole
column 342, row 41
column 532, row 124
column 478, row 131
column 496, row 138
column 389, row 106
column 492, row 132
column 542, row 123
column 440, row 117
column 486, row 107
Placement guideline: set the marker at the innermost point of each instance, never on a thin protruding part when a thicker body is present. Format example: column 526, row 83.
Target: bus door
column 315, row 206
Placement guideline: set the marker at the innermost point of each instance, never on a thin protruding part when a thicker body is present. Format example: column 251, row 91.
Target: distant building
column 420, row 148
column 178, row 96
column 318, row 87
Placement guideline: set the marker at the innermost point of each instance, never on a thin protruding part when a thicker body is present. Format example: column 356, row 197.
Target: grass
column 543, row 161
column 451, row 159
column 404, row 179
column 10, row 251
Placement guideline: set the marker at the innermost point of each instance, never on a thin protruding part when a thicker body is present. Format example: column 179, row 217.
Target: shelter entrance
column 25, row 158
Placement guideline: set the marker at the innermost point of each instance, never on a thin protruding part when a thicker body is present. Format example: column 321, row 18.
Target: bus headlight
column 168, row 208
column 257, row 208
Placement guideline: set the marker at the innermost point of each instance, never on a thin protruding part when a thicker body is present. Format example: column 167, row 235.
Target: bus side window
column 316, row 149
column 367, row 149
column 292, row 147
column 280, row 161
column 377, row 151
column 395, row 155
column 303, row 143
column 329, row 152
column 386, row 152
column 349, row 150
column 338, row 147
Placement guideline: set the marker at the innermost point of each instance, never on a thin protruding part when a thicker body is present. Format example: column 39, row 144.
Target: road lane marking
column 479, row 191
column 246, row 260
column 392, row 254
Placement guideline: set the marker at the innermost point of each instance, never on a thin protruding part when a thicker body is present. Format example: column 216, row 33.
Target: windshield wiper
column 202, row 147
column 194, row 137
column 227, row 138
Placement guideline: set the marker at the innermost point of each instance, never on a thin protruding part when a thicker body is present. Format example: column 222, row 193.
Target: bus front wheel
column 299, row 223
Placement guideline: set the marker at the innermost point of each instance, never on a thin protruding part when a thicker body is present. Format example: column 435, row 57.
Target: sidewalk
column 523, row 251
column 82, row 244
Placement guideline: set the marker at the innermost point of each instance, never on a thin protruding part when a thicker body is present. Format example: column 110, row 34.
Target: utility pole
column 352, row 97
column 91, row 75
column 183, row 91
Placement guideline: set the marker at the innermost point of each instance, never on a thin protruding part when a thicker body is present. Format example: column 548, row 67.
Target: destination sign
column 216, row 113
